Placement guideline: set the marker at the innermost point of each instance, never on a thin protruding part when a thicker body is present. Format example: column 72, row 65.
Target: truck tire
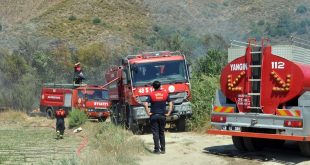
column 273, row 143
column 102, row 119
column 137, row 129
column 253, row 144
column 114, row 120
column 304, row 148
column 180, row 124
column 115, row 115
column 50, row 113
column 239, row 143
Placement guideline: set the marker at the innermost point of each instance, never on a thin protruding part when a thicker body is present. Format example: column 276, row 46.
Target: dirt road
column 191, row 148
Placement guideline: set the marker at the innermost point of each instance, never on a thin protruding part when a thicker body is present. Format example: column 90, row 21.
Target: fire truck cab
column 93, row 100
column 130, row 84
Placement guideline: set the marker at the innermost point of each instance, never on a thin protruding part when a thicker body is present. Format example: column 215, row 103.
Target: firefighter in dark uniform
column 60, row 122
column 78, row 74
column 158, row 99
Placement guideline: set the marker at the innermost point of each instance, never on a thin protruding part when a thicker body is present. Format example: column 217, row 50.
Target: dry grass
column 112, row 145
column 11, row 115
column 17, row 11
column 119, row 19
column 46, row 19
column 106, row 142
column 31, row 140
column 21, row 118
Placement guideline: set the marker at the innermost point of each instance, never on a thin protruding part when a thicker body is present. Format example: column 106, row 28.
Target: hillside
column 232, row 19
column 124, row 22
column 77, row 22
column 45, row 38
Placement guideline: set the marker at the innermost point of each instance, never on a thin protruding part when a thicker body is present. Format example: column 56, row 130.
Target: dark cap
column 156, row 85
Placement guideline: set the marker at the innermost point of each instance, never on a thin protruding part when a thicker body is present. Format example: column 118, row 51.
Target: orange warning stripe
column 286, row 112
column 259, row 135
column 223, row 109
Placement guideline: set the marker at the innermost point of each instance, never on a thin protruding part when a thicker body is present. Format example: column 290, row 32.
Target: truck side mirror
column 124, row 75
column 124, row 61
column 125, row 78
column 190, row 70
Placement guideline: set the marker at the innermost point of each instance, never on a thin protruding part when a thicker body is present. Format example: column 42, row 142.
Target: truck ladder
column 254, row 61
column 56, row 85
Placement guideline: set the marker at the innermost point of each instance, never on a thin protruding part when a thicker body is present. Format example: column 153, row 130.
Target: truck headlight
column 141, row 99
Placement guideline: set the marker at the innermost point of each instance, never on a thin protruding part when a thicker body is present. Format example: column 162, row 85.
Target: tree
column 212, row 63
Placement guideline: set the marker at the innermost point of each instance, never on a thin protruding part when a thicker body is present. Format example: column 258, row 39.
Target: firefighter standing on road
column 78, row 74
column 158, row 99
column 60, row 122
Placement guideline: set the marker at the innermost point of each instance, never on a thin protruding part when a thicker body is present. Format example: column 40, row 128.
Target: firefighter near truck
column 92, row 99
column 130, row 85
column 264, row 98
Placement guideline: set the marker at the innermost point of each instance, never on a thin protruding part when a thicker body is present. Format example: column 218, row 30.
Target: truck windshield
column 94, row 94
column 164, row 71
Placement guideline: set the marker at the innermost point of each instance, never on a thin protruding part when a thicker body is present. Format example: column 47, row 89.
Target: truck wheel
column 180, row 124
column 115, row 115
column 50, row 113
column 253, row 144
column 136, row 129
column 272, row 143
column 114, row 120
column 304, row 148
column 239, row 143
column 102, row 119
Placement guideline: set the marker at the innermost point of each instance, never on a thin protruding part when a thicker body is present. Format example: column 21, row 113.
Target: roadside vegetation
column 76, row 118
column 26, row 140
column 112, row 145
column 24, row 70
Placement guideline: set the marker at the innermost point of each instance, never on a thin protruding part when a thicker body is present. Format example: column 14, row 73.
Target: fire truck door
column 67, row 102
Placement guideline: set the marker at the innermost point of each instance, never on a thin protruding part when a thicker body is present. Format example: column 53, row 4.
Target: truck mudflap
column 258, row 135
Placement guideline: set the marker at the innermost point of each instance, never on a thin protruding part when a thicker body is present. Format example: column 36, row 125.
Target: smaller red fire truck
column 94, row 100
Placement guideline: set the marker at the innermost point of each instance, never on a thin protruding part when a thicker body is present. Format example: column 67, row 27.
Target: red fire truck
column 94, row 100
column 264, row 98
column 130, row 84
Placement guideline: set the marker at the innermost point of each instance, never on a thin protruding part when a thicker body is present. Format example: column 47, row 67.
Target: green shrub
column 301, row 9
column 96, row 21
column 301, row 30
column 261, row 22
column 226, row 3
column 203, row 92
column 156, row 28
column 72, row 18
column 284, row 27
column 76, row 118
column 212, row 63
column 0, row 27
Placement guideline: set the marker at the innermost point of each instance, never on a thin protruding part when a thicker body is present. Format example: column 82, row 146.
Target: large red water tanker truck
column 264, row 100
